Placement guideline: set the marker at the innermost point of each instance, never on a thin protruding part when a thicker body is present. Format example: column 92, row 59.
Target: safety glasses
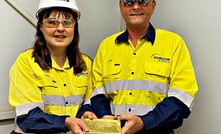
column 54, row 23
column 130, row 3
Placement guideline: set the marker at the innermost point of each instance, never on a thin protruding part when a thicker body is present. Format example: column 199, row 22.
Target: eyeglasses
column 54, row 23
column 130, row 3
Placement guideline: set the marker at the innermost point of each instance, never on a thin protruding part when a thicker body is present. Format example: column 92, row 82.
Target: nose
column 60, row 27
column 136, row 5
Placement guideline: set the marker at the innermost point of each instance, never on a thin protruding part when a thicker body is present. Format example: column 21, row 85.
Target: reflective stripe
column 136, row 84
column 142, row 85
column 98, row 91
column 63, row 101
column 183, row 96
column 131, row 109
column 25, row 108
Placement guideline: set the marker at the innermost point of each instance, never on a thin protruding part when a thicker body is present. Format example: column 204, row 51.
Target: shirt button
column 134, row 53
column 129, row 110
column 65, row 85
column 130, row 93
column 66, row 103
column 132, row 72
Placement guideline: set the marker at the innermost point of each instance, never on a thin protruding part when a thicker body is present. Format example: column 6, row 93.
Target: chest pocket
column 111, row 71
column 159, row 72
column 81, row 81
column 48, row 85
column 81, row 84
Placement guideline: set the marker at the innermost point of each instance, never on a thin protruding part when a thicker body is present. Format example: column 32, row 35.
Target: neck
column 136, row 33
column 59, row 57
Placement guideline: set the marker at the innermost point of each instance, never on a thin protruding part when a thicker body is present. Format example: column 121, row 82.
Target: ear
column 154, row 5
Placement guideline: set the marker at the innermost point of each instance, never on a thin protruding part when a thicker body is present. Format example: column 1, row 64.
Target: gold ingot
column 103, row 126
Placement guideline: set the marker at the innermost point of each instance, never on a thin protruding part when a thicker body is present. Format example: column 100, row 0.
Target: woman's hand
column 110, row 117
column 76, row 126
column 89, row 115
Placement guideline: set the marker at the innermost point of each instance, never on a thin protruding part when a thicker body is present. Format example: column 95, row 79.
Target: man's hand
column 133, row 124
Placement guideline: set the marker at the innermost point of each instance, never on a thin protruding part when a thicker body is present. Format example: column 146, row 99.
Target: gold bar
column 103, row 126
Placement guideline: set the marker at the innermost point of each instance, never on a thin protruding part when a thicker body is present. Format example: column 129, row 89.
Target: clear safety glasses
column 54, row 23
column 130, row 3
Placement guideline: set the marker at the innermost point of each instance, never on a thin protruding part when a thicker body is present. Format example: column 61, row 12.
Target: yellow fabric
column 166, row 62
column 28, row 82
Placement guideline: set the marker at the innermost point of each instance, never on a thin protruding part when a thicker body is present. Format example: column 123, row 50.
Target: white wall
column 99, row 19
column 199, row 23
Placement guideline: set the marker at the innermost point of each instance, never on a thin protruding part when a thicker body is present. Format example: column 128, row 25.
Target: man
column 144, row 75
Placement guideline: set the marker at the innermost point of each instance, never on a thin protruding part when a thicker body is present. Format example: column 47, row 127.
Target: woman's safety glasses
column 54, row 23
column 130, row 3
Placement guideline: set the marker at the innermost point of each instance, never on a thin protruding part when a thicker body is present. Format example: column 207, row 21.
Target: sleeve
column 100, row 105
column 170, row 113
column 166, row 116
column 36, row 121
column 99, row 102
column 86, row 106
column 25, row 97
column 23, row 87
column 183, row 83
column 83, row 109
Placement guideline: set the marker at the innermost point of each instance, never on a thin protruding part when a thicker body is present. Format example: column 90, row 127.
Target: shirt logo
column 82, row 74
column 160, row 58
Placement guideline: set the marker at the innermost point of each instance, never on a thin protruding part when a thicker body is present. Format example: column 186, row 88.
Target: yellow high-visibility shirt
column 137, row 79
column 57, row 91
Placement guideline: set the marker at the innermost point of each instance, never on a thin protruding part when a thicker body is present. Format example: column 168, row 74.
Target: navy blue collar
column 150, row 36
column 70, row 61
column 49, row 62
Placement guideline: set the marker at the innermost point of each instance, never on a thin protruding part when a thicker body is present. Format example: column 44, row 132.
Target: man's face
column 137, row 14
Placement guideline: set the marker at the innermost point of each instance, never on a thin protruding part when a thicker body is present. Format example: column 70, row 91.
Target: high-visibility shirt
column 56, row 91
column 136, row 79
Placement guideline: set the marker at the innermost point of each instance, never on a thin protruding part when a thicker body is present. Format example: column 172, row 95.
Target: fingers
column 82, row 126
column 89, row 115
column 110, row 117
column 76, row 126
column 133, row 124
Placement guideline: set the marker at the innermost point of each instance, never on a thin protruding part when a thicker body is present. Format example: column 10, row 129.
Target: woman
column 50, row 83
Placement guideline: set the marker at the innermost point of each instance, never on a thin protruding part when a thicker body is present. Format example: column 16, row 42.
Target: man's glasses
column 54, row 23
column 130, row 3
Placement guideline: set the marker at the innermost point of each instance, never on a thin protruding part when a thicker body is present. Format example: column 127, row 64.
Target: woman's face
column 58, row 30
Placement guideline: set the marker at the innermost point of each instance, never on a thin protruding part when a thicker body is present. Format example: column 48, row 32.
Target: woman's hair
column 41, row 52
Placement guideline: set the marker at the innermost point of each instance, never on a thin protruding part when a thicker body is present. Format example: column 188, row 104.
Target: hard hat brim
column 46, row 4
column 40, row 10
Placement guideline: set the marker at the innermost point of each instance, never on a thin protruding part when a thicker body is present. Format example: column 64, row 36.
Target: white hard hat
column 45, row 4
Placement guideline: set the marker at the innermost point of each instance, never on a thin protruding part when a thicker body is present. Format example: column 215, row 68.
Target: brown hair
column 41, row 52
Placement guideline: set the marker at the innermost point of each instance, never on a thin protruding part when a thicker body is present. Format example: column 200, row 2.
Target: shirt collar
column 49, row 62
column 150, row 36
